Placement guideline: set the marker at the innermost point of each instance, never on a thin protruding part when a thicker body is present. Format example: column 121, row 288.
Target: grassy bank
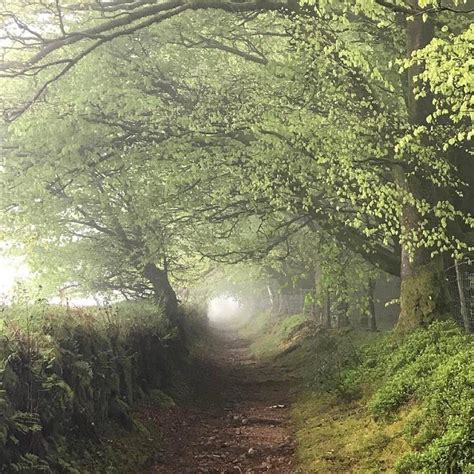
column 371, row 402
column 273, row 335
column 71, row 379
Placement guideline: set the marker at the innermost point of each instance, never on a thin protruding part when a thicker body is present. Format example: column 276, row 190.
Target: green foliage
column 447, row 73
column 300, row 134
column 417, row 391
column 433, row 369
column 72, row 370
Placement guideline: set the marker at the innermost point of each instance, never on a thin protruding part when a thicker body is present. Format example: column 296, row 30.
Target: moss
column 161, row 398
column 414, row 406
column 424, row 298
column 335, row 437
column 119, row 450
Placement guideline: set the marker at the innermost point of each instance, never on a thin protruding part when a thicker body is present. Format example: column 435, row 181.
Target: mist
column 223, row 309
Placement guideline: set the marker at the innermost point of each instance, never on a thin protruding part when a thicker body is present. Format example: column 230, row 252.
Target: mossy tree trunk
column 423, row 294
column 164, row 293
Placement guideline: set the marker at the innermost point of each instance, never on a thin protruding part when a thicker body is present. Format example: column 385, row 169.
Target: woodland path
column 244, row 427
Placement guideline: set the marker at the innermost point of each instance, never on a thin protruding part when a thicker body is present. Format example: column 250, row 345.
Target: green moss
column 272, row 334
column 119, row 450
column 424, row 298
column 342, row 437
column 414, row 404
column 161, row 398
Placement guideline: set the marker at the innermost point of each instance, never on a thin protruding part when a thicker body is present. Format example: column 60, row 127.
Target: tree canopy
column 147, row 139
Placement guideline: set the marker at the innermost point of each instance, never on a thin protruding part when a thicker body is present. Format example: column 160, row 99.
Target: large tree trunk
column 462, row 299
column 423, row 294
column 164, row 293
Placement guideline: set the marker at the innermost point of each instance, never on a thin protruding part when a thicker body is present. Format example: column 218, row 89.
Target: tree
column 316, row 137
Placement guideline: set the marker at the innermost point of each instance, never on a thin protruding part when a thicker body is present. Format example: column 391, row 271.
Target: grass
column 343, row 437
column 271, row 334
column 372, row 402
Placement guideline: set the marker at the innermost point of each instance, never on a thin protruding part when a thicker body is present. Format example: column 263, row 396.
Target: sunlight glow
column 223, row 308
column 12, row 270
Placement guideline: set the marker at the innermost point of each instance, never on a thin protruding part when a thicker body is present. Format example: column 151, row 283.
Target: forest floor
column 243, row 426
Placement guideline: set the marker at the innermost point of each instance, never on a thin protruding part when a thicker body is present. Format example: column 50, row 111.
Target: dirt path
column 244, row 430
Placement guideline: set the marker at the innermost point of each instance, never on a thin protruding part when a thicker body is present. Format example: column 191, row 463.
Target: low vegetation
column 369, row 402
column 70, row 379
column 272, row 334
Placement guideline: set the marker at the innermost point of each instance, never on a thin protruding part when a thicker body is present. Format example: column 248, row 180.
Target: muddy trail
column 243, row 426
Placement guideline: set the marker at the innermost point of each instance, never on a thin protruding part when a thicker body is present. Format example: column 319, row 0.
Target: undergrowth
column 272, row 334
column 373, row 402
column 64, row 373
column 431, row 369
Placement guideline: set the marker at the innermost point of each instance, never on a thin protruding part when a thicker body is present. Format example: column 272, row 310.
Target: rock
column 244, row 421
column 252, row 452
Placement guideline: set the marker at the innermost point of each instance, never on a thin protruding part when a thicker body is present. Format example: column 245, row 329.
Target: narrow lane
column 245, row 428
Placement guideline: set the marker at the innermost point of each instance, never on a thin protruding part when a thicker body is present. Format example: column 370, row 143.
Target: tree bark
column 462, row 298
column 164, row 293
column 423, row 293
column 364, row 320
column 272, row 298
column 371, row 302
column 342, row 317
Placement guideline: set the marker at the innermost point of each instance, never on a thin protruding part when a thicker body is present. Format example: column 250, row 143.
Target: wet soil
column 243, row 425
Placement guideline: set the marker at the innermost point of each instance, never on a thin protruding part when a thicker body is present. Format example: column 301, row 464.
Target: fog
column 12, row 269
column 15, row 271
column 223, row 308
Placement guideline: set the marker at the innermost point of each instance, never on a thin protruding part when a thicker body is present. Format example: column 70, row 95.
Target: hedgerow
column 63, row 372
